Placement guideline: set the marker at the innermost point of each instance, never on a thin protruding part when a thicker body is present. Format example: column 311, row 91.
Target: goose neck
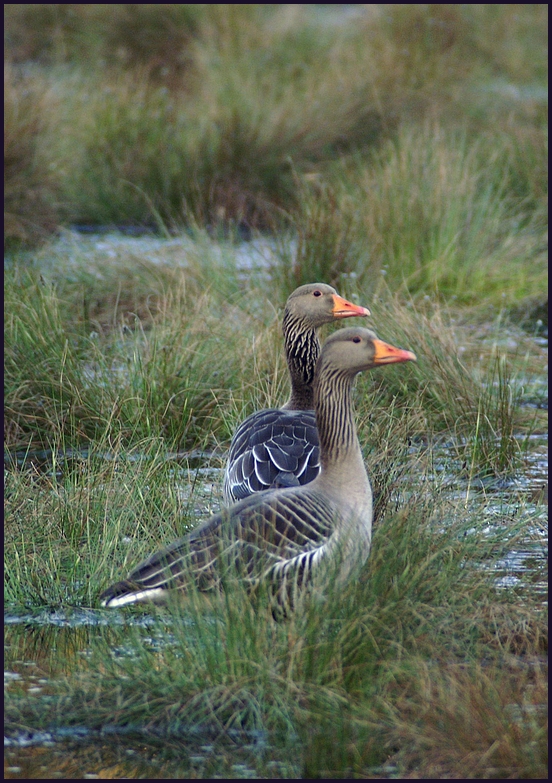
column 335, row 420
column 302, row 350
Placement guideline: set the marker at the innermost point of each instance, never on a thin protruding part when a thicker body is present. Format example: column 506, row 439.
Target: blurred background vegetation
column 240, row 114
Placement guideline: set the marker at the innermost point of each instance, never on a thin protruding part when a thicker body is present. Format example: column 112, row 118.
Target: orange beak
column 388, row 354
column 344, row 309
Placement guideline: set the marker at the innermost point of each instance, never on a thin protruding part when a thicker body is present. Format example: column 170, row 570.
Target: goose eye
column 317, row 293
column 356, row 339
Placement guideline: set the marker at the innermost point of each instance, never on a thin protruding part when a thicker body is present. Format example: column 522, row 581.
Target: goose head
column 353, row 350
column 317, row 303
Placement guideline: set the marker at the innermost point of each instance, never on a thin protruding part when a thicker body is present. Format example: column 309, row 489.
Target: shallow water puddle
column 90, row 757
column 491, row 500
column 44, row 649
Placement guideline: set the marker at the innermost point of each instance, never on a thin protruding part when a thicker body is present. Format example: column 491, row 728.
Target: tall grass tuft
column 35, row 337
column 471, row 401
column 325, row 244
column 130, row 143
column 122, row 35
column 90, row 509
column 208, row 113
column 154, row 38
column 488, row 720
column 137, row 350
column 50, row 33
column 431, row 211
column 66, row 383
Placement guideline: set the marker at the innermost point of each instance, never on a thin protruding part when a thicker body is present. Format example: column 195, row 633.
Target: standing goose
column 281, row 536
column 278, row 447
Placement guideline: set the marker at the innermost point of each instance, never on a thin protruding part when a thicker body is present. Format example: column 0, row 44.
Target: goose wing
column 278, row 535
column 272, row 448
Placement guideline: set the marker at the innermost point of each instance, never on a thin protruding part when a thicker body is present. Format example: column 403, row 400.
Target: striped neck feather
column 334, row 415
column 302, row 351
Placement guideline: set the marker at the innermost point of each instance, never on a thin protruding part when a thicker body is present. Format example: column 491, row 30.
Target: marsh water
column 43, row 646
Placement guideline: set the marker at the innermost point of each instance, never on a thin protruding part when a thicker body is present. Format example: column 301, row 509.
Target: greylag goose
column 278, row 447
column 280, row 537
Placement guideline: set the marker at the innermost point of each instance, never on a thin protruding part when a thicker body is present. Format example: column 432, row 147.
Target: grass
column 134, row 351
column 448, row 233
column 101, row 370
column 30, row 189
column 121, row 35
column 421, row 667
column 463, row 385
column 421, row 664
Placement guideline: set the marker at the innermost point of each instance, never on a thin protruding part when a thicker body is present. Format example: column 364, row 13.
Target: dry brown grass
column 473, row 721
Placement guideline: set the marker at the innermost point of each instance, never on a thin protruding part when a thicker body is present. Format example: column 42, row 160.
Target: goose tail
column 128, row 592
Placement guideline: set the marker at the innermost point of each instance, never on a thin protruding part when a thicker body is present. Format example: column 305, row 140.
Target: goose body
column 283, row 536
column 278, row 447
